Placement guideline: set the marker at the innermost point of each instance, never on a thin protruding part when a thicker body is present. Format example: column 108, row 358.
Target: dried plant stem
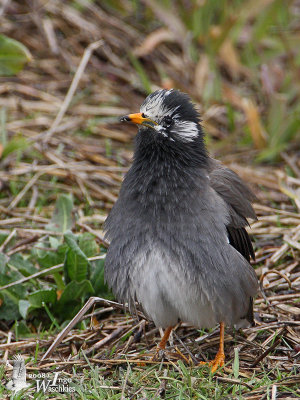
column 80, row 70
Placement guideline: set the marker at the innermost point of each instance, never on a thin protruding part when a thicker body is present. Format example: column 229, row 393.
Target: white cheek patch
column 187, row 130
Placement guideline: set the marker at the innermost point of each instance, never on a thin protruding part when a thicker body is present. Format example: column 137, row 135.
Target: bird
column 18, row 381
column 179, row 249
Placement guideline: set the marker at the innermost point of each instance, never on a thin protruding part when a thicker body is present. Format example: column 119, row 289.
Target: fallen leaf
column 231, row 95
column 58, row 294
column 253, row 8
column 95, row 323
column 230, row 58
column 167, row 83
column 153, row 40
column 258, row 133
column 201, row 74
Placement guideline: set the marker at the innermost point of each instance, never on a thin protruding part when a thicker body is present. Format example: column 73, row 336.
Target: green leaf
column 3, row 261
column 3, row 236
column 72, row 298
column 24, row 308
column 54, row 242
column 75, row 290
column 76, row 266
column 13, row 56
column 9, row 309
column 88, row 244
column 21, row 329
column 47, row 259
column 61, row 220
column 98, row 282
column 15, row 144
column 24, row 266
column 39, row 297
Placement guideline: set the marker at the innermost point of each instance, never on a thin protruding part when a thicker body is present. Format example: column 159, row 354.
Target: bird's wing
column 240, row 240
column 238, row 198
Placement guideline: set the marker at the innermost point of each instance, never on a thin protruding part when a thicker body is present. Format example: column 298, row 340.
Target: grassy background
column 63, row 159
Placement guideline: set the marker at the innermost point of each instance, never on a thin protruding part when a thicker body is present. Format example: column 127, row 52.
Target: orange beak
column 139, row 119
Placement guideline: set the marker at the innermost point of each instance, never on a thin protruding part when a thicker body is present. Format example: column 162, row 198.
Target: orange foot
column 218, row 362
column 162, row 344
column 158, row 355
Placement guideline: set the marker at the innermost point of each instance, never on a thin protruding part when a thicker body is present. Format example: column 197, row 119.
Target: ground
column 64, row 154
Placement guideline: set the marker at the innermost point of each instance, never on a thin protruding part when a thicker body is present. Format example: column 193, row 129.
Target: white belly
column 168, row 295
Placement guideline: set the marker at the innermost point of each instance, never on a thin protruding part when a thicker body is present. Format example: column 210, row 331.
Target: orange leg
column 164, row 339
column 163, row 342
column 220, row 356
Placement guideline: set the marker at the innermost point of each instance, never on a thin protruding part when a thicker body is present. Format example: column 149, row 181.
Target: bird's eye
column 168, row 120
column 143, row 115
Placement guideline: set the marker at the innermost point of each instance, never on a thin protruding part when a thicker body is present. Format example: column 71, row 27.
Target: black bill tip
column 125, row 118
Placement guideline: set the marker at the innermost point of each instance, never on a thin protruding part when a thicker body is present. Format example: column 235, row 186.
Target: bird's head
column 168, row 114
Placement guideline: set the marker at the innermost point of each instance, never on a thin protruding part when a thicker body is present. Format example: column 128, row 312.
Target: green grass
column 260, row 36
column 160, row 382
column 260, row 33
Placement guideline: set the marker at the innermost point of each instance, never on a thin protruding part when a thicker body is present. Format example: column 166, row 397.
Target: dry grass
column 76, row 145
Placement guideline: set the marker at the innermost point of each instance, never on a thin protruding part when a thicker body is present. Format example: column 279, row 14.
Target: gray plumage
column 178, row 245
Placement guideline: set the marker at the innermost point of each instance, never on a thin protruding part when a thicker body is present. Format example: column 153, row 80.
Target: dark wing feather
column 234, row 192
column 240, row 240
column 238, row 198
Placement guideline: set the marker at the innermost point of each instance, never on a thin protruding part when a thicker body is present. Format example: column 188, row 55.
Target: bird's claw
column 218, row 362
column 158, row 355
